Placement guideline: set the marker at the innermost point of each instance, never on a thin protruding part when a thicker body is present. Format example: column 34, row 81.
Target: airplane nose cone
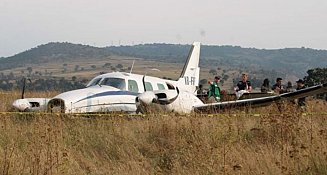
column 147, row 97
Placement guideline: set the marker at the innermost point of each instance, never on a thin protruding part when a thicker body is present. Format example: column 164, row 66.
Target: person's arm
column 236, row 88
column 283, row 89
column 249, row 86
column 276, row 89
column 210, row 91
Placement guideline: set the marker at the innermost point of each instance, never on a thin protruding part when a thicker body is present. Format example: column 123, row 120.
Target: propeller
column 168, row 101
column 149, row 97
column 144, row 99
column 24, row 86
column 143, row 81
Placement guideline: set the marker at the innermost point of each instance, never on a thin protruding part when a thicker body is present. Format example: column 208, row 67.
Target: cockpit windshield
column 114, row 82
column 94, row 82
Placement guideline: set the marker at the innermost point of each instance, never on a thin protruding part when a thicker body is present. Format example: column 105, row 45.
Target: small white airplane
column 115, row 91
column 186, row 102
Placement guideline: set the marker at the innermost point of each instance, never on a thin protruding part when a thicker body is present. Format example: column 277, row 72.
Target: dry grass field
column 258, row 141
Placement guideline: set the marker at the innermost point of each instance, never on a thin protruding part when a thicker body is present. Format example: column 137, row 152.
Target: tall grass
column 260, row 141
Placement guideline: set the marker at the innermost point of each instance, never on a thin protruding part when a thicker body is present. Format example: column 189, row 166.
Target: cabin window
column 160, row 86
column 93, row 82
column 148, row 86
column 114, row 82
column 132, row 86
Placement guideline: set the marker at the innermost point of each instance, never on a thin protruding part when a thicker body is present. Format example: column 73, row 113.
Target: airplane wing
column 263, row 101
column 31, row 104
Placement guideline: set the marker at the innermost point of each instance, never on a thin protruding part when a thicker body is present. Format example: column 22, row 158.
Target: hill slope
column 293, row 61
column 52, row 52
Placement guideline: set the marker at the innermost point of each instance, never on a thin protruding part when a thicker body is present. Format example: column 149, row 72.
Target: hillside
column 52, row 52
column 289, row 61
column 294, row 61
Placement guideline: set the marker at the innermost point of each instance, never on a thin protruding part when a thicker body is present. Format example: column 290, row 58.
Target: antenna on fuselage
column 132, row 67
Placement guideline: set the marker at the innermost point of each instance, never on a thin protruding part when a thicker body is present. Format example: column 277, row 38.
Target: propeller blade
column 143, row 81
column 169, row 101
column 23, row 90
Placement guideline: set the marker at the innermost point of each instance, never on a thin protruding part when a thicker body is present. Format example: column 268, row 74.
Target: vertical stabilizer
column 189, row 78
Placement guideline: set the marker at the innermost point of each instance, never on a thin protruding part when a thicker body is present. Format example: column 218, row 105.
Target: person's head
column 300, row 83
column 266, row 82
column 289, row 84
column 244, row 77
column 279, row 81
column 217, row 79
column 200, row 86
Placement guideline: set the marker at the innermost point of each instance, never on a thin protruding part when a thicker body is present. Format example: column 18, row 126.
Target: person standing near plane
column 201, row 93
column 279, row 87
column 265, row 86
column 244, row 84
column 214, row 90
column 300, row 85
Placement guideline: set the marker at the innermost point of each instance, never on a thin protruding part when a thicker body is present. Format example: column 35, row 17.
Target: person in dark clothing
column 300, row 85
column 244, row 84
column 201, row 93
column 265, row 86
column 279, row 87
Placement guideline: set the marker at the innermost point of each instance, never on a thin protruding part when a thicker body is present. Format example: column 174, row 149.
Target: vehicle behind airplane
column 115, row 91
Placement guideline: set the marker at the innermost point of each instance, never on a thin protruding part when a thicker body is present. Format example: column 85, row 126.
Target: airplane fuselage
column 108, row 92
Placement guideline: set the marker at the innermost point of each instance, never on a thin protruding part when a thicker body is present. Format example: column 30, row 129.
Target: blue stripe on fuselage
column 109, row 93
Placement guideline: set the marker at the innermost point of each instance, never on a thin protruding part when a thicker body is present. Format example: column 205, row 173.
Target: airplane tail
column 190, row 75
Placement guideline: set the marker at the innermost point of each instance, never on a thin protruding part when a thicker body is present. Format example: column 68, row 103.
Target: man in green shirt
column 214, row 91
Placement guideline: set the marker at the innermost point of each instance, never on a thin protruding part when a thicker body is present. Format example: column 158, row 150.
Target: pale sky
column 247, row 23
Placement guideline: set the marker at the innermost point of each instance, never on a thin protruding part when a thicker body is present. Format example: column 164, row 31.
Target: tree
column 106, row 65
column 213, row 71
column 76, row 68
column 119, row 66
column 225, row 77
column 316, row 76
column 30, row 70
column 203, row 81
column 11, row 75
